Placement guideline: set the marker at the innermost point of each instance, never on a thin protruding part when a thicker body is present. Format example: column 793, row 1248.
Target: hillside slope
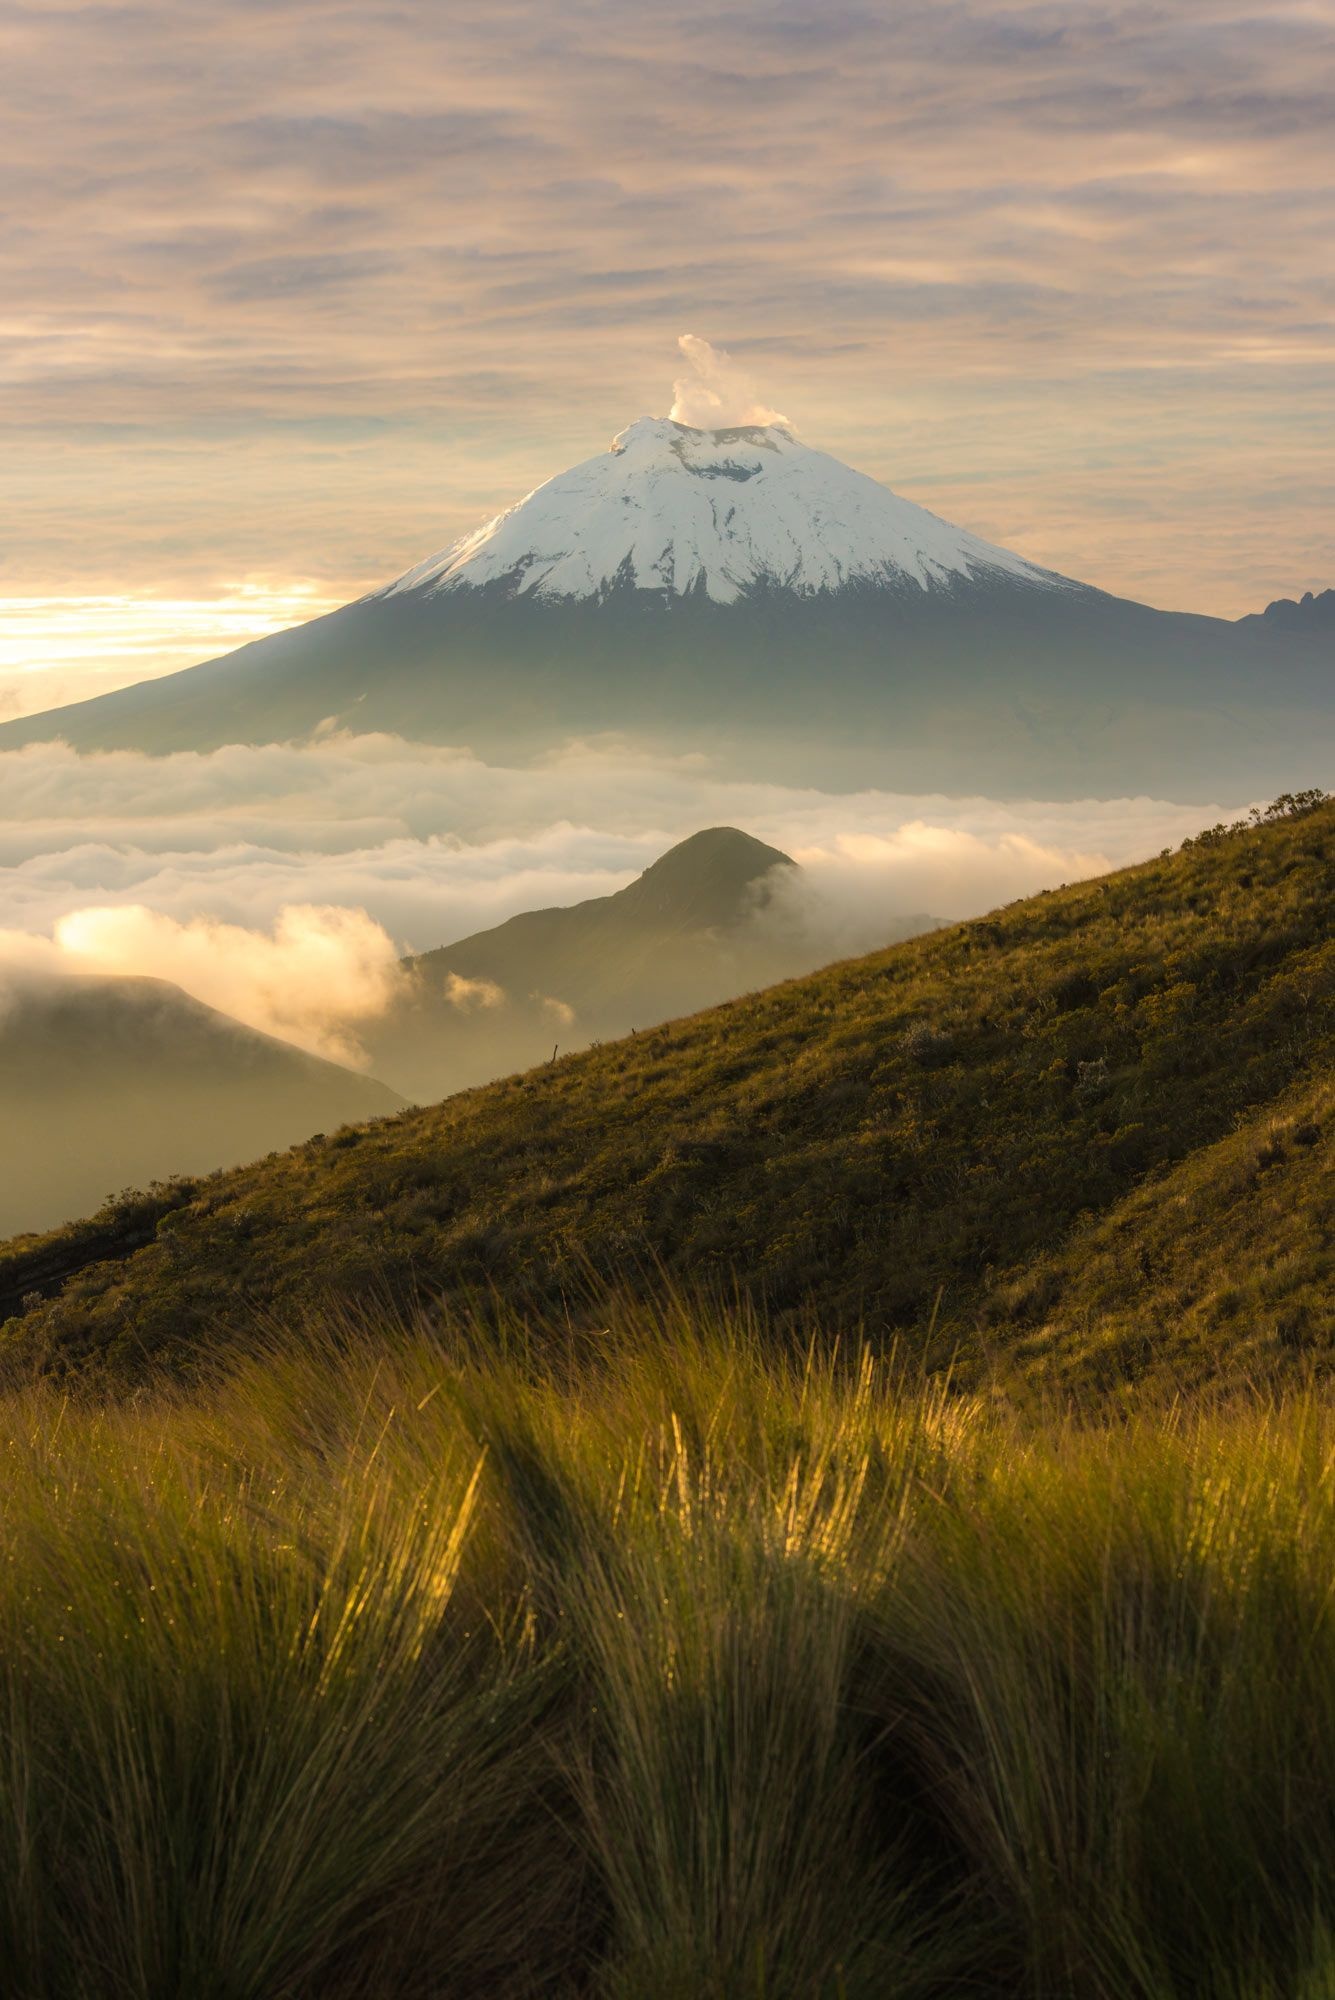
column 682, row 936
column 110, row 1082
column 1233, row 1249
column 890, row 1144
column 708, row 920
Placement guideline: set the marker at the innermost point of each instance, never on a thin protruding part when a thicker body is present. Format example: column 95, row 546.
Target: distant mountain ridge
column 113, row 1082
column 1312, row 612
column 685, row 934
column 737, row 594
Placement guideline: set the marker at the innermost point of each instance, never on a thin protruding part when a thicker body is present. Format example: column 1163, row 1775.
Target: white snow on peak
column 672, row 509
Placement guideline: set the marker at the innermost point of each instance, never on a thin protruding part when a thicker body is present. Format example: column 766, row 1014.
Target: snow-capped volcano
column 673, row 509
column 738, row 595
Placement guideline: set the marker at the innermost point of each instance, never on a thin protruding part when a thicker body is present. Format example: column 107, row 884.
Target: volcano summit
column 739, row 593
column 723, row 514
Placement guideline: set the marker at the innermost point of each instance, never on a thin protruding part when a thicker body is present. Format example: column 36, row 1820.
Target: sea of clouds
column 281, row 883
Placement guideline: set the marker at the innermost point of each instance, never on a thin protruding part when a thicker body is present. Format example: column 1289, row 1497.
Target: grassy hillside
column 673, row 1671
column 956, row 1139
column 1234, row 1249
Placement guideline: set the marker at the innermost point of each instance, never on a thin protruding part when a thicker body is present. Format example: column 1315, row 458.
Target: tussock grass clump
column 634, row 1664
column 255, row 1744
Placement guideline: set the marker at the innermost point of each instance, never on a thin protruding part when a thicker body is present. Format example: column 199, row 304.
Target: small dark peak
column 1314, row 611
column 712, row 878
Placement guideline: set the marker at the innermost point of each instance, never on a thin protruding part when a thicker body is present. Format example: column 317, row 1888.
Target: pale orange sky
column 293, row 293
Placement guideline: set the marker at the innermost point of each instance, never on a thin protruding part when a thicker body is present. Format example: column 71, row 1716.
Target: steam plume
column 716, row 394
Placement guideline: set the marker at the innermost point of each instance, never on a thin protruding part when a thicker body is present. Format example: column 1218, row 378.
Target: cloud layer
column 303, row 290
column 280, row 883
column 311, row 979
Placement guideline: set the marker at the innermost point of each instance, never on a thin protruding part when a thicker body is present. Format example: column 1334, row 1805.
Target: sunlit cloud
column 468, row 995
column 312, row 978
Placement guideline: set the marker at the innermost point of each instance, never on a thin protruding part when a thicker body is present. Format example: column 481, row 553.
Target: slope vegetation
column 761, row 1679
column 1233, row 1248
column 951, row 1140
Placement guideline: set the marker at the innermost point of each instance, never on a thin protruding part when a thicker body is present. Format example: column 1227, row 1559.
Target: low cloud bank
column 311, row 980
column 280, row 883
column 856, row 887
column 432, row 843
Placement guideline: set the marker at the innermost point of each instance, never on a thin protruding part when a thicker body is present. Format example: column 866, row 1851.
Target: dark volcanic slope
column 1006, row 1130
column 109, row 1083
column 982, row 686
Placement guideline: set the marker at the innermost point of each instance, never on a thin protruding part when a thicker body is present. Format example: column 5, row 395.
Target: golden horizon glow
column 105, row 640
